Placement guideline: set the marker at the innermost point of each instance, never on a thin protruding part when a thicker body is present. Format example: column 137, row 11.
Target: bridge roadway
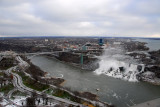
column 41, row 53
column 55, row 53
column 17, row 82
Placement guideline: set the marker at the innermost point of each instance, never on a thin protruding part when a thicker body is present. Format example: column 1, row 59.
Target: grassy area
column 40, row 87
column 18, row 93
column 62, row 94
column 66, row 95
column 35, row 85
column 5, row 89
column 32, row 83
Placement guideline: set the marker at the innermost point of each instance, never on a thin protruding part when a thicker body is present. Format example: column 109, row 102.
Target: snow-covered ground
column 11, row 105
column 50, row 102
column 19, row 100
column 115, row 59
column 4, row 102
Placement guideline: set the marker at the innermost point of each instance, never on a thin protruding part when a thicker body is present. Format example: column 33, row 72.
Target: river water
column 153, row 44
column 116, row 91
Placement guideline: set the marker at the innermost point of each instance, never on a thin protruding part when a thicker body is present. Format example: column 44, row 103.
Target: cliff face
column 154, row 69
column 88, row 63
column 69, row 57
column 74, row 58
column 151, row 60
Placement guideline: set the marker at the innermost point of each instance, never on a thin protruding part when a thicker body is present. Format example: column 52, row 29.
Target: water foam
column 116, row 64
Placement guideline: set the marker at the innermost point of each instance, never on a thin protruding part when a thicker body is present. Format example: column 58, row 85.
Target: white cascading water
column 112, row 59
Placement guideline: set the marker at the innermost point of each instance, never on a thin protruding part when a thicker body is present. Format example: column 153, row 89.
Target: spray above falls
column 116, row 64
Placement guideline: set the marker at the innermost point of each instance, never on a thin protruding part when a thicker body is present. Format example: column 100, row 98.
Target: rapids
column 115, row 63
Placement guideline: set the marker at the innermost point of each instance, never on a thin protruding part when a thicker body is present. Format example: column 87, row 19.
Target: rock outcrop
column 151, row 72
column 75, row 59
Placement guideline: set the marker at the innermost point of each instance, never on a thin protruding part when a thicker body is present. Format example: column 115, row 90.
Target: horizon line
column 74, row 37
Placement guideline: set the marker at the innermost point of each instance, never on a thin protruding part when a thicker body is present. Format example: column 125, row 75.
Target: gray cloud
column 80, row 18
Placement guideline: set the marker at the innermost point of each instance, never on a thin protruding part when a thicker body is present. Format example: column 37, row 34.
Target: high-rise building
column 101, row 41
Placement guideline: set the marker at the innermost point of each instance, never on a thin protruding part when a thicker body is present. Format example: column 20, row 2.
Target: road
column 10, row 93
column 18, row 83
column 23, row 63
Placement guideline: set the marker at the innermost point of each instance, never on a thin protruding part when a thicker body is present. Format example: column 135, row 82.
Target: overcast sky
column 135, row 18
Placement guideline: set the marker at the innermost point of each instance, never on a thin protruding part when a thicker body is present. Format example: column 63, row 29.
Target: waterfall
column 116, row 64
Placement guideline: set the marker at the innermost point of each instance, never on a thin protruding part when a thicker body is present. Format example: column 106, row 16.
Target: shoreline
column 62, row 83
column 106, row 77
column 79, row 66
column 81, row 97
column 153, row 82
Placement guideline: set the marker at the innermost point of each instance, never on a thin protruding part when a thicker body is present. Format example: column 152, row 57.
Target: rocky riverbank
column 87, row 97
column 147, row 70
column 151, row 61
column 89, row 63
column 39, row 75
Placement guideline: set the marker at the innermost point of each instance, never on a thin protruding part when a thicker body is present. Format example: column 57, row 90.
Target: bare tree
column 34, row 94
column 31, row 101
column 44, row 97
